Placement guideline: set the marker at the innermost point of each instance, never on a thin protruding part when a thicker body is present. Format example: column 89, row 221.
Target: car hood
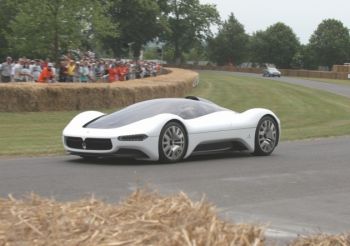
column 150, row 126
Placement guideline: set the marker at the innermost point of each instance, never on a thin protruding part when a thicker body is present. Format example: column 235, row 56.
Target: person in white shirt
column 35, row 70
column 54, row 74
column 26, row 74
column 17, row 71
column 6, row 70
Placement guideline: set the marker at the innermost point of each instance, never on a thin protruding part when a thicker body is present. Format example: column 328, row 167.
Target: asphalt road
column 303, row 187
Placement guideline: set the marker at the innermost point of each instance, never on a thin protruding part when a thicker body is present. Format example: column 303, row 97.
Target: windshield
column 184, row 108
column 272, row 69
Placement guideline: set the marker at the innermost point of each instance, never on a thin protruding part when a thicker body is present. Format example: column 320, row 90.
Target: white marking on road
column 273, row 233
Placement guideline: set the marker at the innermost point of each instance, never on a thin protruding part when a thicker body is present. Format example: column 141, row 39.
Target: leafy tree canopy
column 47, row 28
column 230, row 45
column 330, row 43
column 139, row 22
column 189, row 23
column 277, row 44
column 8, row 11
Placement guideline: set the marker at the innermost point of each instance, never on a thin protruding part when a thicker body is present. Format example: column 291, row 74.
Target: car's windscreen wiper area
column 184, row 108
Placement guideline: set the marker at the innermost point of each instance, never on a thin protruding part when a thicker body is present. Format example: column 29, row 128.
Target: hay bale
column 322, row 240
column 21, row 97
column 144, row 218
column 341, row 68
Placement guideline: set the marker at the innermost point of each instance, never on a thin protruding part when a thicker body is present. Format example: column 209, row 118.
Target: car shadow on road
column 115, row 161
column 218, row 156
column 111, row 161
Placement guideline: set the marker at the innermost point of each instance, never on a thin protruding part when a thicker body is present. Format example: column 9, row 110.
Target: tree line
column 279, row 45
column 179, row 30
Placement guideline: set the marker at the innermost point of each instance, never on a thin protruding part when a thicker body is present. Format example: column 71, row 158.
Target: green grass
column 305, row 113
column 32, row 133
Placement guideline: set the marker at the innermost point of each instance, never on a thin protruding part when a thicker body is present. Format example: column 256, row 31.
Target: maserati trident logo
column 83, row 144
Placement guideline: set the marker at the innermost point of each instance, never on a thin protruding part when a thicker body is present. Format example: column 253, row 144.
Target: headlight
column 138, row 137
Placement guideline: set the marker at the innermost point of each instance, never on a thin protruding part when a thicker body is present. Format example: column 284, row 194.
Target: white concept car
column 171, row 129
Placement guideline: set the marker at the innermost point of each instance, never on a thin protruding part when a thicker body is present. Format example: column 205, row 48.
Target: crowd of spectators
column 69, row 69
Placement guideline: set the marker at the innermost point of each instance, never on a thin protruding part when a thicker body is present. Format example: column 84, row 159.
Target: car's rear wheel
column 266, row 136
column 172, row 142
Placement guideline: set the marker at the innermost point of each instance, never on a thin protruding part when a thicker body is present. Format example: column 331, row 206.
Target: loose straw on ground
column 144, row 218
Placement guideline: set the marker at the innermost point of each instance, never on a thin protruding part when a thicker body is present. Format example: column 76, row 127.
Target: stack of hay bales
column 145, row 218
column 341, row 68
column 342, row 71
column 28, row 97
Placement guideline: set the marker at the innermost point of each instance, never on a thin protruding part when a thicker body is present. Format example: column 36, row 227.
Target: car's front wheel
column 172, row 142
column 266, row 136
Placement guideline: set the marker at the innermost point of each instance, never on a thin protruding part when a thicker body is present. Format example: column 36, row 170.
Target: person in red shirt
column 123, row 71
column 112, row 74
column 46, row 74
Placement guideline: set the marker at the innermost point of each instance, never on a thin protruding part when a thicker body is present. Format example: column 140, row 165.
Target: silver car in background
column 271, row 72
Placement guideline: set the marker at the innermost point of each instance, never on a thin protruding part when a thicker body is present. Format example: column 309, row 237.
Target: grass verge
column 37, row 133
column 305, row 113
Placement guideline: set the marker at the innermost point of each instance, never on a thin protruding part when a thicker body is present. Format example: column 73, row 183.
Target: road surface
column 303, row 187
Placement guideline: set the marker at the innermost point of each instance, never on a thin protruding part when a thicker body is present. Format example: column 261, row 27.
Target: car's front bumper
column 106, row 147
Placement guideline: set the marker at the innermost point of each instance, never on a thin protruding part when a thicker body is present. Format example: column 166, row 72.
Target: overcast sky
column 303, row 16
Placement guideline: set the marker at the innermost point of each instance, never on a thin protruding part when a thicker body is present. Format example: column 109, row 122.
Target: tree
column 230, row 45
column 196, row 54
column 139, row 22
column 330, row 43
column 8, row 10
column 189, row 23
column 277, row 44
column 47, row 28
column 304, row 58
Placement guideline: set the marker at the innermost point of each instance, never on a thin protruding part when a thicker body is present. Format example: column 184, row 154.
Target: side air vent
column 138, row 137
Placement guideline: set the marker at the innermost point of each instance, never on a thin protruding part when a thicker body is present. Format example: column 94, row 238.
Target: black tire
column 172, row 143
column 266, row 136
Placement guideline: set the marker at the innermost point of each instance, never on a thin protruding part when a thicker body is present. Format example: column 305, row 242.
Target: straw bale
column 19, row 97
column 322, row 240
column 341, row 68
column 144, row 218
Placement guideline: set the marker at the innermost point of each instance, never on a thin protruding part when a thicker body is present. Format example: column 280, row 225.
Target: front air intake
column 89, row 143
